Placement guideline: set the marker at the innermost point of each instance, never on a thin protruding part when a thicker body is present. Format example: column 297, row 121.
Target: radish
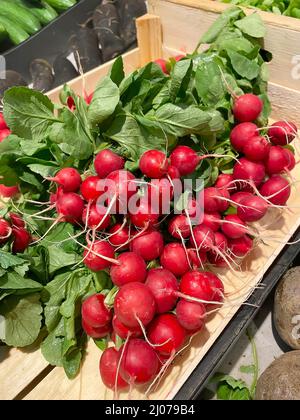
column 5, row 231
column 163, row 285
column 107, row 162
column 95, row 332
column 215, row 200
column 240, row 247
column 98, row 256
column 94, row 312
column 252, row 209
column 149, row 245
column 119, row 236
column 174, row 258
column 277, row 190
column 3, row 124
column 257, row 149
column 154, row 164
column 9, row 192
column 197, row 258
column 139, row 363
column 68, row 178
column 108, row 367
column 173, row 172
column 166, row 334
column 131, row 268
column 21, row 241
column 225, row 181
column 239, row 196
column 179, row 57
column 204, row 286
column 184, row 159
column 4, row 133
column 249, row 171
column 91, row 188
column 135, row 305
column 121, row 185
column 162, row 64
column 212, row 221
column 123, row 332
column 191, row 315
column 179, row 227
column 95, row 217
column 160, row 193
column 194, row 210
column 16, row 220
column 291, row 159
column 247, row 107
column 242, row 134
column 277, row 161
column 282, row 132
column 203, row 238
column 145, row 216
column 222, row 244
column 69, row 207
column 236, row 228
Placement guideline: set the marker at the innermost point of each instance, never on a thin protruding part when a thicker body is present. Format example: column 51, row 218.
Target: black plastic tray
column 50, row 40
column 197, row 381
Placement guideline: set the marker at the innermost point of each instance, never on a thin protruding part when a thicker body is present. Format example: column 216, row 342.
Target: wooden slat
column 184, row 21
column 149, row 28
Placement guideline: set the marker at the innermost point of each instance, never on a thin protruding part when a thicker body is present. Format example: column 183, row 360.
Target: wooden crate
column 25, row 374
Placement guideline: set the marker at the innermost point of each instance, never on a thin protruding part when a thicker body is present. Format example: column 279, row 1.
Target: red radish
column 242, row 134
column 94, row 311
column 163, row 285
column 55, row 195
column 225, row 181
column 191, row 315
column 282, row 132
column 166, row 334
column 173, row 172
column 174, row 259
column 215, row 200
column 222, row 244
column 70, row 207
column 122, row 186
column 194, row 210
column 246, row 170
column 145, row 215
column 236, row 228
column 135, row 304
column 247, row 107
column 91, row 188
column 291, row 159
column 184, row 159
column 122, row 331
column 277, row 190
column 68, row 178
column 71, row 103
column 160, row 193
column 9, row 192
column 132, row 268
column 4, row 133
column 16, row 220
column 21, row 241
column 154, row 164
column 212, row 221
column 107, row 162
column 252, row 209
column 203, row 238
column 3, row 124
column 257, row 149
column 149, row 245
column 5, row 231
column 96, row 217
column 139, row 363
column 277, row 161
column 179, row 227
column 197, row 259
column 204, row 286
column 241, row 247
column 119, row 236
column 239, row 196
column 96, row 332
column 108, row 366
column 162, row 64
column 179, row 57
column 93, row 256
column 88, row 97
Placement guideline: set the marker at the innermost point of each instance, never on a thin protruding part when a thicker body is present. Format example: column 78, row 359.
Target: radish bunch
column 13, row 230
column 4, row 130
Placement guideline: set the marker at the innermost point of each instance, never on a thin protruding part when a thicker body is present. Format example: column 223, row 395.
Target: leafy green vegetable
column 105, row 99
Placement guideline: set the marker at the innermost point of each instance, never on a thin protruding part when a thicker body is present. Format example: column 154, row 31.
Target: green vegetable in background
column 282, row 7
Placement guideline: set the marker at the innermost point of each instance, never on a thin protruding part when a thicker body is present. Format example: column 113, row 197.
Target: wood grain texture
column 184, row 21
column 149, row 38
